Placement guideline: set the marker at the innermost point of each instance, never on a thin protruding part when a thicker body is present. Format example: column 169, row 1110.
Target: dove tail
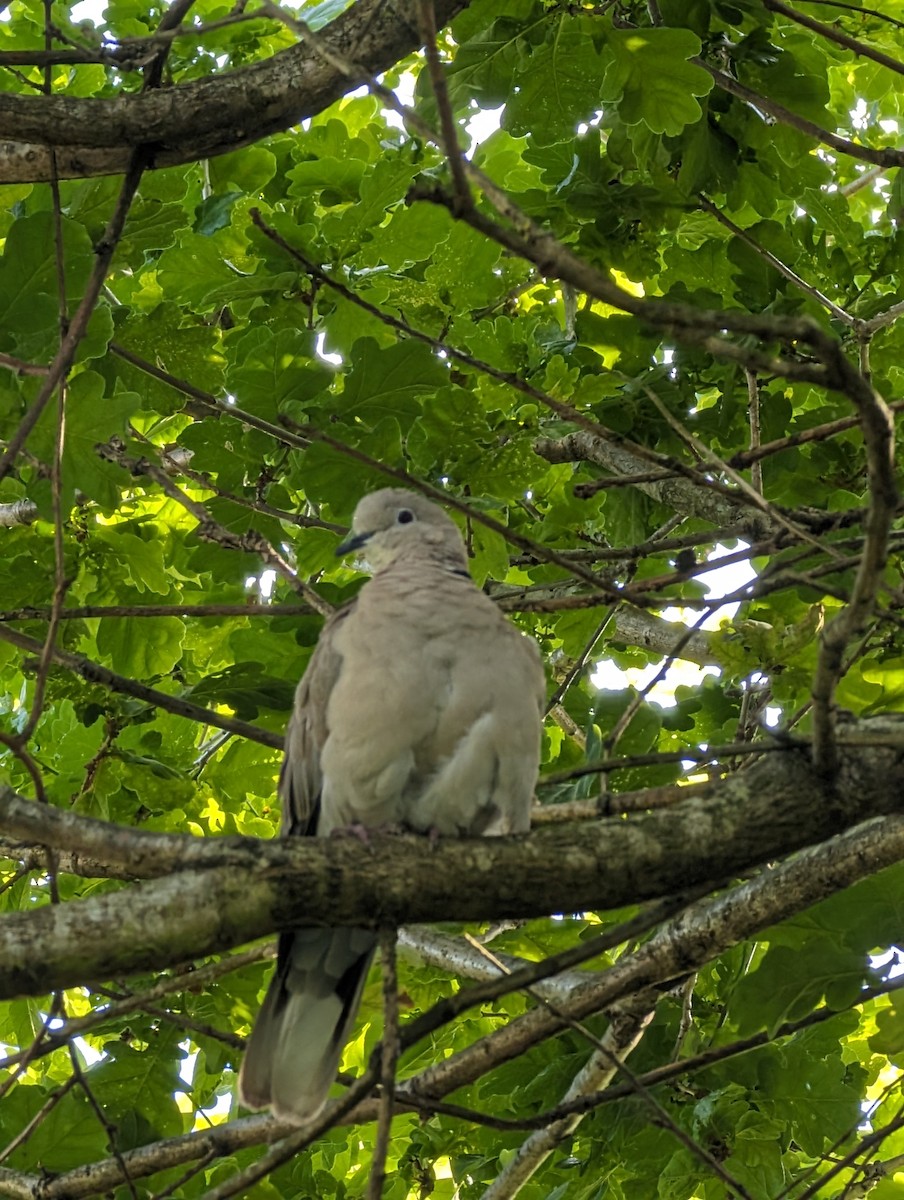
column 306, row 1019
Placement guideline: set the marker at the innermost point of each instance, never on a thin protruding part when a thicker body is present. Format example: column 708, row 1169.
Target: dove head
column 395, row 524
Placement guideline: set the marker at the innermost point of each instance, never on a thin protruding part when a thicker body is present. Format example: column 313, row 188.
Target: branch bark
column 236, row 889
column 679, row 494
column 209, row 116
column 694, row 937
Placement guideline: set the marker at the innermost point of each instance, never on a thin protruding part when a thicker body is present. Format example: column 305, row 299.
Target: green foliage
column 658, row 153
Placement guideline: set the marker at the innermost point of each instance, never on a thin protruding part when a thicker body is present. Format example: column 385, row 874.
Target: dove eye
column 405, row 517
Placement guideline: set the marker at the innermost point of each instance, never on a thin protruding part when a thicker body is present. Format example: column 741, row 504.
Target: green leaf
column 215, row 212
column 246, row 688
column 92, row 418
column 143, row 649
column 194, row 270
column 651, row 80
column 788, row 983
column 29, row 310
column 558, row 87
column 138, row 1087
column 267, row 369
column 388, row 382
column 249, row 170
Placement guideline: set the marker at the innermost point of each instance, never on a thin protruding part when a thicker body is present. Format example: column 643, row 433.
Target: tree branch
column 208, row 116
column 248, row 888
column 878, row 428
column 680, row 494
column 93, row 672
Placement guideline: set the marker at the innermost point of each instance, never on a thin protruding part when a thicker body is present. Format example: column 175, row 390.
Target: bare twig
column 239, row 1183
column 878, row 434
column 427, row 30
column 580, row 662
column 94, row 673
column 627, row 715
column 133, row 611
column 832, row 33
column 125, row 54
column 249, row 542
column 883, row 319
column 763, row 104
column 859, row 11
column 709, row 456
column 817, row 433
column 753, row 417
column 21, row 367
column 195, row 979
column 608, row 1057
column 79, row 324
column 388, row 1060
column 108, row 1127
column 28, row 1129
column 565, row 411
column 782, row 268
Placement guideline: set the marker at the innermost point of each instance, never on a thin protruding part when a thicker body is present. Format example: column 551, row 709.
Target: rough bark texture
column 209, row 116
column 678, row 494
column 232, row 890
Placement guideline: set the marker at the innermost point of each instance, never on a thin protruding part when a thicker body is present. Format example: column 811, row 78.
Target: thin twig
column 388, row 1059
column 661, row 1117
column 565, row 411
column 21, row 367
column 136, row 611
column 886, row 157
column 709, row 456
column 44, row 1111
column 78, row 326
column 241, row 1181
column 782, row 268
column 580, row 662
column 878, row 434
column 194, row 979
column 627, row 715
column 250, row 542
column 94, row 673
column 426, row 19
column 833, row 34
column 108, row 1127
column 539, row 246
column 817, row 433
column 753, row 417
column 859, row 11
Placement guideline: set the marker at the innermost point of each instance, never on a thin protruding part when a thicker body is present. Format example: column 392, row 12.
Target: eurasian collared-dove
column 421, row 706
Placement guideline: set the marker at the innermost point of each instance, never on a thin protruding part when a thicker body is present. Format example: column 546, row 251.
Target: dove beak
column 354, row 541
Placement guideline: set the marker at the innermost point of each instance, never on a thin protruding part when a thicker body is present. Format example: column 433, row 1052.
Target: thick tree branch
column 248, row 888
column 680, row 494
column 688, row 941
column 19, row 512
column 207, row 116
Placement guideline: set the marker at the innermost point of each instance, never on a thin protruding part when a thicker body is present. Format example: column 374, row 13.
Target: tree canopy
column 620, row 284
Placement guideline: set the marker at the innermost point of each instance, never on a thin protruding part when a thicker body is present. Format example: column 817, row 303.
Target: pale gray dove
column 421, row 706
